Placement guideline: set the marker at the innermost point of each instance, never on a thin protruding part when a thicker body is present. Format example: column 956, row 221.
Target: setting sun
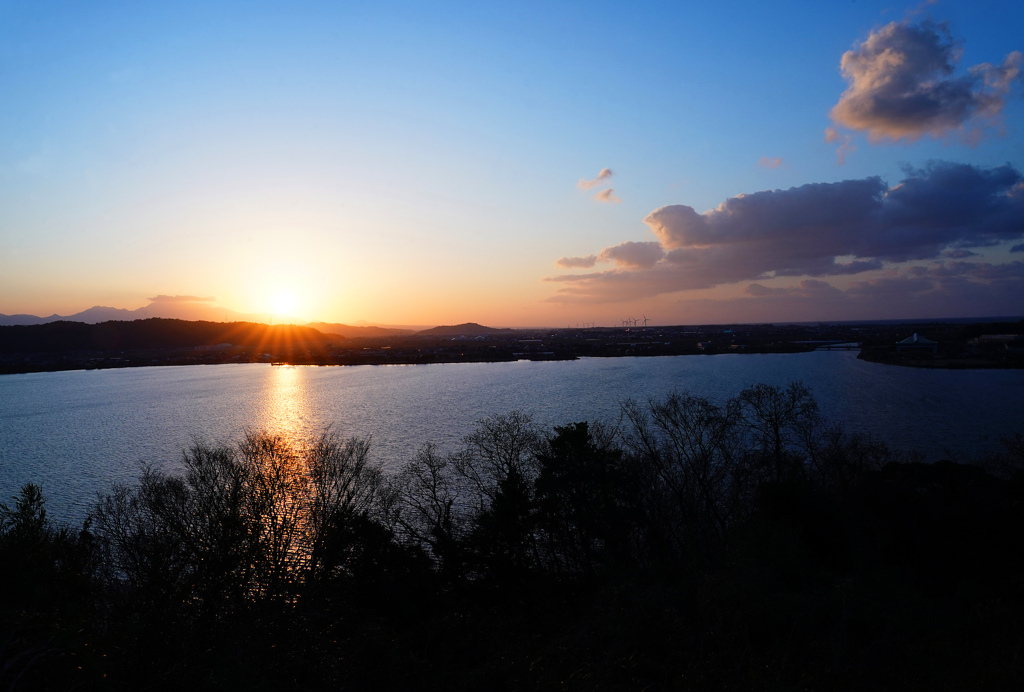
column 283, row 303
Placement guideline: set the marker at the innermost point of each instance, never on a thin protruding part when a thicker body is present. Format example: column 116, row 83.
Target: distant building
column 1008, row 342
column 917, row 345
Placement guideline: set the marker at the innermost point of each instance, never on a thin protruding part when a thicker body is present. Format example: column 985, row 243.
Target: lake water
column 76, row 433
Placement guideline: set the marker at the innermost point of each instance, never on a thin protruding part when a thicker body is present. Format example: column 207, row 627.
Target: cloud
column 941, row 290
column 817, row 230
column 902, row 84
column 808, row 288
column 607, row 196
column 634, row 255
column 773, row 162
column 959, row 253
column 180, row 299
column 601, row 177
column 845, row 147
column 577, row 262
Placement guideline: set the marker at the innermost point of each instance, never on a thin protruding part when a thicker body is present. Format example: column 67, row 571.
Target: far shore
column 159, row 342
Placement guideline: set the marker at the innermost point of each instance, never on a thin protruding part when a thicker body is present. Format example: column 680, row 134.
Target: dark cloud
column 1017, row 248
column 577, row 262
column 942, row 290
column 817, row 230
column 635, row 255
column 959, row 253
column 180, row 299
column 902, row 84
column 983, row 271
column 601, row 177
column 808, row 288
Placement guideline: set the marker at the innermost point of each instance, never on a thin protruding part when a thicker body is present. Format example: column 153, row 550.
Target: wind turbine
column 645, row 321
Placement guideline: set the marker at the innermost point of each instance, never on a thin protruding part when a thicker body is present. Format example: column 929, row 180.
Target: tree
column 504, row 539
column 774, row 418
column 690, row 448
column 243, row 524
column 499, row 446
column 578, row 493
column 432, row 499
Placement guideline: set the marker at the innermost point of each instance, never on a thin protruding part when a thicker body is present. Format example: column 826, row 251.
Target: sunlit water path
column 76, row 433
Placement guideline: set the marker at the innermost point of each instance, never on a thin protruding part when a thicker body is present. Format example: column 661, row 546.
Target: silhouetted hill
column 154, row 333
column 8, row 320
column 353, row 332
column 467, row 329
column 194, row 311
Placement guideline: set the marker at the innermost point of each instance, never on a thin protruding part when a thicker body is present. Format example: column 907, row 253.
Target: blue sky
column 419, row 162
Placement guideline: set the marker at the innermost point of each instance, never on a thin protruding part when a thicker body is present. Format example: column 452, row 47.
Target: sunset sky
column 515, row 164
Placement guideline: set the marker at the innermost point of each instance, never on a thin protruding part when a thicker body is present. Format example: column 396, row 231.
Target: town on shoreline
column 161, row 342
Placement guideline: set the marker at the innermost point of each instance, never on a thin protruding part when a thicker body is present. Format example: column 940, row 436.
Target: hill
column 467, row 329
column 156, row 333
column 352, row 332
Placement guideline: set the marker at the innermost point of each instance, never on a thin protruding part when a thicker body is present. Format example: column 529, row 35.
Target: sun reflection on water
column 288, row 412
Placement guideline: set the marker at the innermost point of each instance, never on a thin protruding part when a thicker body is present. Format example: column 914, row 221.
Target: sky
column 514, row 164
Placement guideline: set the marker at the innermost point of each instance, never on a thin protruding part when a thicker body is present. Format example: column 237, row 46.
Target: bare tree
column 432, row 504
column 499, row 445
column 241, row 523
column 691, row 448
column 774, row 418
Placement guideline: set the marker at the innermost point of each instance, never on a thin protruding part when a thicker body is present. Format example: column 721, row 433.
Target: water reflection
column 287, row 411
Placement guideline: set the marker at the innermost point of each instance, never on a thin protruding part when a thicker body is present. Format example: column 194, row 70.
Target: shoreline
column 144, row 343
column 65, row 363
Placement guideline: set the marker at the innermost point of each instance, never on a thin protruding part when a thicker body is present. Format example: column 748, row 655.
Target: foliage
column 241, row 525
column 746, row 544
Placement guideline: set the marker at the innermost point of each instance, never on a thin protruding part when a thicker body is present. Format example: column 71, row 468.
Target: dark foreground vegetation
column 745, row 545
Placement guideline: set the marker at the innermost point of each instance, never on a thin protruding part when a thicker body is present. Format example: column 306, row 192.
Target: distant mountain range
column 193, row 311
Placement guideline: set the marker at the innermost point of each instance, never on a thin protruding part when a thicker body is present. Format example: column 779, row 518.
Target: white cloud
column 903, row 86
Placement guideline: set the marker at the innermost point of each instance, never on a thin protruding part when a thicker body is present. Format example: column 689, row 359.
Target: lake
column 78, row 432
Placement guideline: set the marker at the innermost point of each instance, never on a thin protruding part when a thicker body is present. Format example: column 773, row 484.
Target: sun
column 284, row 303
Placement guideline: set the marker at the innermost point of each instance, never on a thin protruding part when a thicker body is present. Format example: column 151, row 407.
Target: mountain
column 352, row 332
column 192, row 311
column 12, row 320
column 195, row 311
column 467, row 329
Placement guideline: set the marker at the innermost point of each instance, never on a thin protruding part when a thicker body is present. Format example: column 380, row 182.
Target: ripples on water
column 76, row 433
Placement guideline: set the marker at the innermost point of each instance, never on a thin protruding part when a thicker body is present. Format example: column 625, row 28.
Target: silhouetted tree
column 774, row 418
column 693, row 450
column 837, row 460
column 433, row 512
column 504, row 539
column 240, row 525
column 579, row 499
column 499, row 446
